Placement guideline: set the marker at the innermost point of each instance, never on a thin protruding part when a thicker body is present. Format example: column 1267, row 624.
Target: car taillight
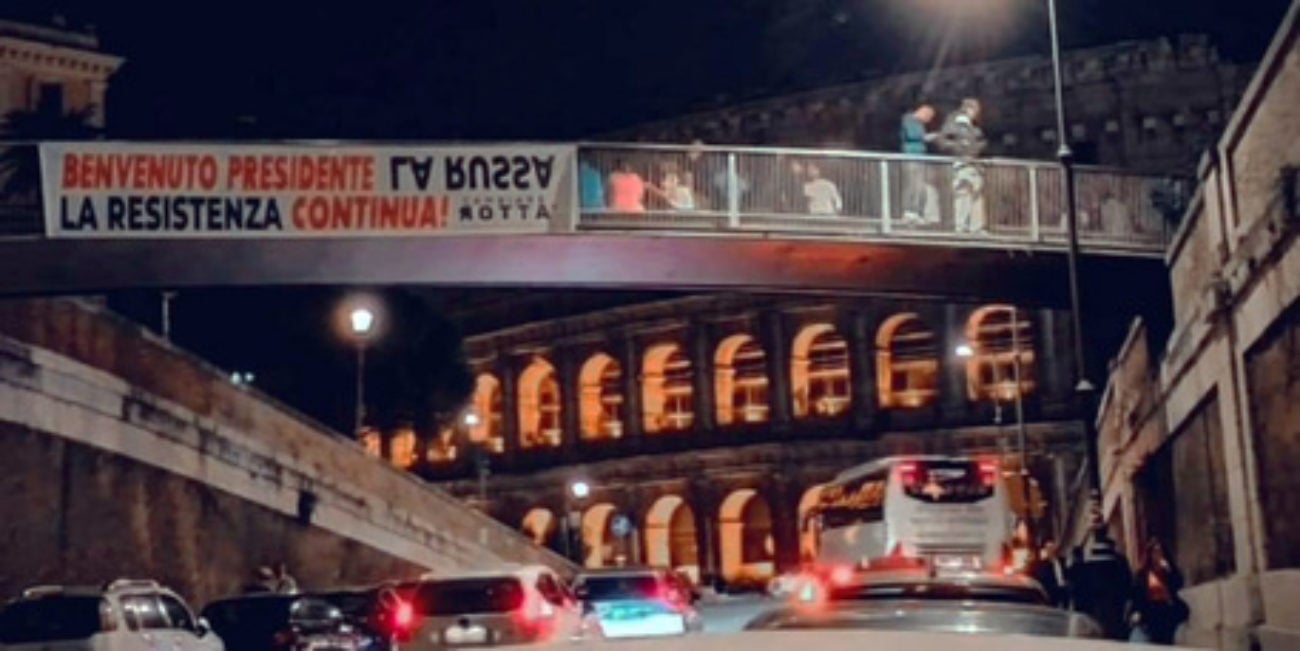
column 909, row 474
column 284, row 639
column 841, row 575
column 989, row 473
column 403, row 616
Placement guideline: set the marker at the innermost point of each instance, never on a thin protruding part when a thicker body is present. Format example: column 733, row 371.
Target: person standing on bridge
column 626, row 189
column 916, row 139
column 962, row 138
column 823, row 197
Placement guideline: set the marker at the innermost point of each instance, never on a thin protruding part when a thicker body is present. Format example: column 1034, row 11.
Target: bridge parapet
column 694, row 190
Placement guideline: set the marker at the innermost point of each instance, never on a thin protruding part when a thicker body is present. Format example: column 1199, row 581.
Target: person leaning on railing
column 962, row 138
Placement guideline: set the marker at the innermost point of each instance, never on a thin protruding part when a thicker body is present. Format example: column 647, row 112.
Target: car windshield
column 468, row 596
column 263, row 615
column 50, row 619
column 635, row 586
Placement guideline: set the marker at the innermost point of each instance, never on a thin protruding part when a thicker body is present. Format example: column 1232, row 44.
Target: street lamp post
column 967, row 350
column 576, row 490
column 1083, row 389
column 362, row 322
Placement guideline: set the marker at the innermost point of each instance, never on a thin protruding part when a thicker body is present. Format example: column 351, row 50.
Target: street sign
column 621, row 526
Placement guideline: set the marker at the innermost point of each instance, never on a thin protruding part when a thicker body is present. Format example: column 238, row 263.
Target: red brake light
column 841, row 575
column 989, row 473
column 908, row 473
column 403, row 615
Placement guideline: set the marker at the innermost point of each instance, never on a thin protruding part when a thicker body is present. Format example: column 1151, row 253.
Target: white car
column 632, row 603
column 519, row 605
column 125, row 615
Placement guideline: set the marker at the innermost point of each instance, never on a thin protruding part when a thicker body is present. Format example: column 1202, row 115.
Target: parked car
column 515, row 606
column 638, row 603
column 125, row 615
column 281, row 622
column 379, row 613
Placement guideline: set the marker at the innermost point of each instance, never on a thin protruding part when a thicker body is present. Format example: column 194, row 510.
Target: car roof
column 853, row 640
column 921, row 576
column 624, row 571
column 509, row 571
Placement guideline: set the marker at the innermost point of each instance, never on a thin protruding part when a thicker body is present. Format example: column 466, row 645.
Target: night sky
column 556, row 69
column 512, row 69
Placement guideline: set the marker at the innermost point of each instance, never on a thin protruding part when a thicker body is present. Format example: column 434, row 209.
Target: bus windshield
column 957, row 480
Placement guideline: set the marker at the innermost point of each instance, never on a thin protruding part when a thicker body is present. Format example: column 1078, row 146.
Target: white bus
column 946, row 509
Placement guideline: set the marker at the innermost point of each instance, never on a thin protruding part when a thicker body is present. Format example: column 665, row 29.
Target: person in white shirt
column 823, row 196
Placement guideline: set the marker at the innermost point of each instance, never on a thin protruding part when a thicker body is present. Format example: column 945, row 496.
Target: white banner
column 130, row 190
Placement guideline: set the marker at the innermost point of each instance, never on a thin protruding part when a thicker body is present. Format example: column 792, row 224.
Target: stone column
column 776, row 346
column 954, row 398
column 1053, row 358
column 785, row 524
column 507, row 371
column 704, row 500
column 566, row 370
column 862, row 367
column 98, row 93
column 701, row 353
column 630, row 361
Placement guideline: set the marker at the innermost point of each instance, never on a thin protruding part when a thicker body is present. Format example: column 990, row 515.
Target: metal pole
column 1021, row 434
column 483, row 470
column 167, row 314
column 1083, row 389
column 361, row 389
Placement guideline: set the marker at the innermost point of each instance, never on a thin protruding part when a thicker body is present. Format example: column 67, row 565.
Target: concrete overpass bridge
column 687, row 217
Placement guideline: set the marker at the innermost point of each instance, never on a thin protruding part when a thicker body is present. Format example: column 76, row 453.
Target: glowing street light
column 580, row 489
column 471, row 419
column 361, row 324
column 965, row 351
column 362, row 320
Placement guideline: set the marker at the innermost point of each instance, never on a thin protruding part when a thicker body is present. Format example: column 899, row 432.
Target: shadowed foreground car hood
column 856, row 641
column 934, row 617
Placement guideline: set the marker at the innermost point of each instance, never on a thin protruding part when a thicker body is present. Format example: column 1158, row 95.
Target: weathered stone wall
column 137, row 458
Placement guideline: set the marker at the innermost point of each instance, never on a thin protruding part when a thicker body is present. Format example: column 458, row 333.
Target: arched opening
column 490, row 409
column 600, row 401
column 808, row 532
column 745, row 532
column 907, row 363
column 598, row 548
column 741, row 381
column 539, row 406
column 1000, row 336
column 819, row 372
column 442, row 449
column 668, row 400
column 540, row 525
column 401, row 448
column 670, row 536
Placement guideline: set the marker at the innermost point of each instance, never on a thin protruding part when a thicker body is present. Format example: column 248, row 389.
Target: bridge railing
column 875, row 196
column 809, row 193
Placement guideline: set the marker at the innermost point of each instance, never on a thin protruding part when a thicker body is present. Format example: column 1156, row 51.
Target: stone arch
column 539, row 406
column 740, row 381
column 598, row 548
column 670, row 536
column 990, row 370
column 600, row 398
column 489, row 406
column 819, row 372
column 541, row 525
column 907, row 362
column 668, row 400
column 748, row 549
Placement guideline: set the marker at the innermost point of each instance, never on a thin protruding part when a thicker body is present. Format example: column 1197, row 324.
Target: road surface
column 729, row 614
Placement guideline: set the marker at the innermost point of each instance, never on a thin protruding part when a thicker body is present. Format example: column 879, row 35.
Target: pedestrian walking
column 1049, row 571
column 1101, row 583
column 1157, row 610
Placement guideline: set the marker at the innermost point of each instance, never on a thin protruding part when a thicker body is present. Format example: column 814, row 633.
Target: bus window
column 949, row 481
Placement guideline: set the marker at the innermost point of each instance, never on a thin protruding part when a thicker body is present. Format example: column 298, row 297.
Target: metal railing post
column 886, row 210
column 1035, row 220
column 733, row 192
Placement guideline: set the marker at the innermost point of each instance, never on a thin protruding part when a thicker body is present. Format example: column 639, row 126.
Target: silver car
column 517, row 606
column 921, row 600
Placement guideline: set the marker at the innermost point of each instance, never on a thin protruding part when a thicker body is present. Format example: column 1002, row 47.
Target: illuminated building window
column 907, row 363
column 401, row 448
column 991, row 370
column 489, row 407
column 820, row 372
column 442, row 449
column 601, row 398
column 372, row 443
column 741, row 381
column 539, row 406
column 668, row 398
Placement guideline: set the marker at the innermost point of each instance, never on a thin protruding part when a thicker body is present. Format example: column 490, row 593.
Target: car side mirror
column 202, row 627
